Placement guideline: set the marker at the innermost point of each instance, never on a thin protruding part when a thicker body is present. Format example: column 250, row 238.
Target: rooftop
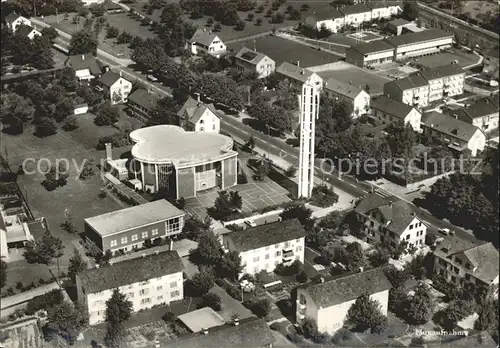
column 192, row 110
column 109, row 78
column 372, row 47
column 348, row 287
column 391, row 107
column 203, row 36
column 136, row 216
column 143, row 98
column 250, row 56
column 354, row 9
column 442, row 71
column 267, row 234
column 411, row 38
column 325, row 15
column 203, row 318
column 481, row 107
column 415, row 80
column 130, row 271
column 341, row 88
column 398, row 22
column 449, row 125
column 172, row 144
column 24, row 30
column 251, row 332
column 493, row 53
column 85, row 61
column 11, row 17
column 294, row 72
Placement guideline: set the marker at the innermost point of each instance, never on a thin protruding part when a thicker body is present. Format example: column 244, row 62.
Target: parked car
column 247, row 286
column 250, row 223
column 446, row 232
column 152, row 78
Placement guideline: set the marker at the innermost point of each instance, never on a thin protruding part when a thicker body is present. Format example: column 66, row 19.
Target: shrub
column 19, row 286
column 302, row 277
column 260, row 308
column 234, row 291
column 274, row 326
column 234, row 227
column 169, row 317
column 44, row 301
column 213, row 301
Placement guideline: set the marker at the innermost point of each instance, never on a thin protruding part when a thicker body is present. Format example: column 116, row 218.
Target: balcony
column 288, row 255
column 301, row 316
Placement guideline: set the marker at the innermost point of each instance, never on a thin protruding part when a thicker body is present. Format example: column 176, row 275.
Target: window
column 124, row 240
column 267, row 256
column 154, row 232
column 299, row 248
column 113, row 243
column 145, row 300
column 173, row 284
column 276, row 246
column 287, row 244
column 134, row 237
column 159, row 297
column 202, row 129
column 455, row 269
column 159, row 288
column 131, row 294
column 144, row 292
column 144, row 234
column 256, row 259
column 267, row 248
column 173, row 226
column 175, row 293
column 458, row 261
column 411, row 227
column 213, row 127
column 407, row 236
column 467, row 265
column 278, row 253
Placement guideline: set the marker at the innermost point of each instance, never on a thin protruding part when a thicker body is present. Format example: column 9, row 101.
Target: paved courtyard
column 254, row 196
column 365, row 36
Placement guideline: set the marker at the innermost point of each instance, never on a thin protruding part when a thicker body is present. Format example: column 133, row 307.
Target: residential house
column 412, row 90
column 332, row 19
column 128, row 229
column 249, row 332
column 207, row 42
column 420, row 43
column 462, row 262
column 390, row 111
column 198, row 117
column 459, row 135
column 396, row 26
column 249, row 61
column 491, row 63
column 264, row 247
column 384, row 8
column 357, row 99
column 27, row 31
column 86, row 67
column 13, row 21
column 483, row 113
column 444, row 81
column 391, row 223
column 297, row 76
column 357, row 14
column 370, row 53
column 328, row 301
column 140, row 103
column 116, row 86
column 146, row 281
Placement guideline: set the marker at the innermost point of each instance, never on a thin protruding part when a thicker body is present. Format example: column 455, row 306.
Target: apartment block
column 482, row 113
column 390, row 111
column 420, row 43
column 264, row 247
column 444, row 81
column 146, row 281
column 412, row 90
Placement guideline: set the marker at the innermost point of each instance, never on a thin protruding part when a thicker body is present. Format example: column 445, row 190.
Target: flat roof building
column 370, row 53
column 129, row 228
column 420, row 43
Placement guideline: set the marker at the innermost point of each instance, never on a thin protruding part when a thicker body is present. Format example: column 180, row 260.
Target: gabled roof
column 372, row 47
column 24, row 30
column 84, row 61
column 354, row 9
column 326, row 15
column 130, row 271
column 294, row 72
column 342, row 88
column 109, row 78
column 264, row 235
column 250, row 56
column 442, row 71
column 481, row 107
column 383, row 4
column 249, row 333
column 203, row 36
column 11, row 17
column 143, row 98
column 391, row 107
column 192, row 110
column 411, row 38
column 449, row 125
column 412, row 81
column 348, row 287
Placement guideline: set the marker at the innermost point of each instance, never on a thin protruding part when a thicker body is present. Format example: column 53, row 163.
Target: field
column 78, row 197
column 283, row 50
column 476, row 8
column 348, row 73
column 464, row 58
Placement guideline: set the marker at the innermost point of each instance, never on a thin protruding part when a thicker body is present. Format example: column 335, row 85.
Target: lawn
column 283, row 50
column 464, row 58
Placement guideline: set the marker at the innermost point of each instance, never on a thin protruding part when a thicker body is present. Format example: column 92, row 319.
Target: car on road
column 152, row 78
column 446, row 232
column 250, row 223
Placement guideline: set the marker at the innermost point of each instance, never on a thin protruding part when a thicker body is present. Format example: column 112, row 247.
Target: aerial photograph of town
column 249, row 173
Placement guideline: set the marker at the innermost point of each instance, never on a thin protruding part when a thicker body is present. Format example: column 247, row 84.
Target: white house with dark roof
column 412, row 90
column 356, row 14
column 370, row 53
column 13, row 21
column 27, row 31
column 251, row 61
column 384, row 8
column 390, row 111
column 85, row 65
column 199, row 117
column 264, row 247
column 444, row 81
column 332, row 19
column 140, row 103
column 147, row 281
column 297, row 76
column 462, row 262
column 207, row 42
column 356, row 98
column 390, row 222
column 482, row 113
column 459, row 135
column 328, row 301
column 116, row 86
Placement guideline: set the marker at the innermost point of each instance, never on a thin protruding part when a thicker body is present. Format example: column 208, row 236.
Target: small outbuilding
column 81, row 109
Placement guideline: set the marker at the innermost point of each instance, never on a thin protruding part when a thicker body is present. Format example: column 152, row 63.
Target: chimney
column 298, row 63
column 205, row 331
column 109, row 152
column 236, row 322
column 390, row 205
column 171, row 244
column 120, row 73
column 83, row 57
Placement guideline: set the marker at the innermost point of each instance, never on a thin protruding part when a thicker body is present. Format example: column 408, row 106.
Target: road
column 276, row 147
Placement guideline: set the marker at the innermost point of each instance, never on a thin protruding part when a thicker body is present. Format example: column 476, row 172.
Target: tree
column 15, row 111
column 50, row 33
column 71, row 123
column 107, row 115
column 397, row 299
column 164, row 112
column 225, row 204
column 365, row 314
column 300, row 212
column 291, row 171
column 209, row 251
column 240, row 25
column 45, row 250
column 21, row 48
column 76, row 264
column 112, row 32
column 83, row 42
column 3, row 273
column 66, row 320
column 324, row 196
column 309, row 327
column 230, row 265
column 419, row 307
column 123, row 38
column 272, row 116
column 261, row 308
column 410, row 10
column 213, row 301
column 457, row 310
column 217, row 27
column 64, row 108
column 68, row 224
column 42, row 56
column 202, row 282
column 45, row 128
column 118, row 310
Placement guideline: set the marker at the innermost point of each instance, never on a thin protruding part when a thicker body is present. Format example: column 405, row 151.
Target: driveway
column 230, row 305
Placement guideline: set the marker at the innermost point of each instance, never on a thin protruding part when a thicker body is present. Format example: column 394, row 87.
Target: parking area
column 254, row 195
